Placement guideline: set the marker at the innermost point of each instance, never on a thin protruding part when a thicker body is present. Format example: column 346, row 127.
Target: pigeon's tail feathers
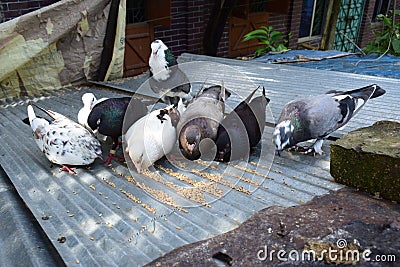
column 26, row 121
column 34, row 121
column 350, row 102
column 367, row 92
column 52, row 114
column 247, row 100
column 31, row 113
column 378, row 91
column 266, row 98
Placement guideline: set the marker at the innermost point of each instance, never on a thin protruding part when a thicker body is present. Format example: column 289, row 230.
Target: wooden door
column 247, row 16
column 138, row 38
column 141, row 17
column 238, row 27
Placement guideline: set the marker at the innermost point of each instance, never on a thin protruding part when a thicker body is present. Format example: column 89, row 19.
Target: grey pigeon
column 201, row 120
column 241, row 129
column 63, row 141
column 166, row 79
column 315, row 117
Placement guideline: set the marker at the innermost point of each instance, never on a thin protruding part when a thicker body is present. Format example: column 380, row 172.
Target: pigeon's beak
column 155, row 52
column 191, row 147
column 279, row 152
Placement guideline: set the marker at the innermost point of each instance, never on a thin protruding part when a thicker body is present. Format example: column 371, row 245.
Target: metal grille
column 135, row 11
column 348, row 25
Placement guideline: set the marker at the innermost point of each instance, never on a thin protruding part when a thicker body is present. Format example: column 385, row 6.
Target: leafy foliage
column 272, row 40
column 388, row 38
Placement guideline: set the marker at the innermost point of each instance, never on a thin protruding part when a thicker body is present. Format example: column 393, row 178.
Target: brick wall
column 189, row 21
column 11, row 9
column 366, row 32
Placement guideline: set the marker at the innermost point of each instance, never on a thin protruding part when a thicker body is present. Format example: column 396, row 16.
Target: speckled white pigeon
column 63, row 141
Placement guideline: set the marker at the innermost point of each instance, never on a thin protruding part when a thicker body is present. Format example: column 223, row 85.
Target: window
column 381, row 7
column 135, row 11
column 312, row 18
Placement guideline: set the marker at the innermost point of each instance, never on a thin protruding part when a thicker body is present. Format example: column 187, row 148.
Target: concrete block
column 369, row 159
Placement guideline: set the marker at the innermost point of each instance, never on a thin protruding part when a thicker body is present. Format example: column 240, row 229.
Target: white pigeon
column 89, row 101
column 167, row 80
column 63, row 141
column 151, row 137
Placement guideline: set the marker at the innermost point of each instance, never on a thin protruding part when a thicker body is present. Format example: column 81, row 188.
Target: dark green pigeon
column 107, row 118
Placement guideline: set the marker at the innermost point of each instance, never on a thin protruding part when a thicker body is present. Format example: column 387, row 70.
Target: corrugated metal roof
column 108, row 215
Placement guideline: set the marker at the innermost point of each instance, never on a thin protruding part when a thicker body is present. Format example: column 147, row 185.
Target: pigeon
column 107, row 118
column 201, row 119
column 315, row 117
column 241, row 129
column 166, row 79
column 89, row 101
column 152, row 137
column 63, row 141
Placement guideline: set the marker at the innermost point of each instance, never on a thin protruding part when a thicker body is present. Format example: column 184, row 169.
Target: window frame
column 311, row 37
column 377, row 12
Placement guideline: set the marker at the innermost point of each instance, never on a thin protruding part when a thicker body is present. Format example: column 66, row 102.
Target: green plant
column 387, row 40
column 272, row 40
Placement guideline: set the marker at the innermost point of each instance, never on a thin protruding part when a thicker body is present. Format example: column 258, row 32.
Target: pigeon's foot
column 315, row 149
column 110, row 158
column 68, row 169
column 296, row 148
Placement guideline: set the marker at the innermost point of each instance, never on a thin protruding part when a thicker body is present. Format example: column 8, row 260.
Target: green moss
column 369, row 159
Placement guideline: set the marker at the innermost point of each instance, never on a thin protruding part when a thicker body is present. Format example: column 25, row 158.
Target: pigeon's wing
column 244, row 104
column 321, row 116
column 350, row 102
column 169, row 58
column 258, row 106
column 148, row 139
column 232, row 139
column 70, row 144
